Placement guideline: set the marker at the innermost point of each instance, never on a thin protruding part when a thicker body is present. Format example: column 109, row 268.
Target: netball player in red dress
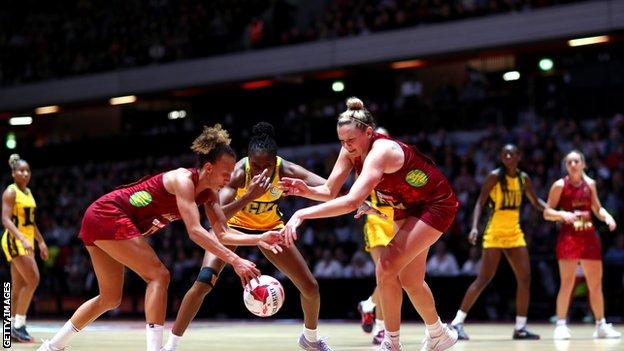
column 576, row 198
column 115, row 227
column 424, row 207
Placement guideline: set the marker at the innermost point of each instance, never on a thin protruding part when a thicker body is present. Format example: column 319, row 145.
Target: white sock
column 20, row 321
column 393, row 337
column 435, row 329
column 379, row 326
column 62, row 337
column 368, row 305
column 172, row 342
column 459, row 317
column 561, row 322
column 520, row 322
column 154, row 336
column 601, row 322
column 310, row 334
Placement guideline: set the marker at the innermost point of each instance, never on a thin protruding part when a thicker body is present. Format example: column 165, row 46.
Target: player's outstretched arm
column 372, row 171
column 325, row 191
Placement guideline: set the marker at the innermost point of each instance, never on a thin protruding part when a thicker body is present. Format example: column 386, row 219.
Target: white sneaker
column 46, row 347
column 445, row 340
column 562, row 332
column 388, row 345
column 606, row 331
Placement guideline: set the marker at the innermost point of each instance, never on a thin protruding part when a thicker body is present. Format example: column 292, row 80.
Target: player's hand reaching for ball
column 246, row 270
column 290, row 230
column 293, row 186
column 271, row 240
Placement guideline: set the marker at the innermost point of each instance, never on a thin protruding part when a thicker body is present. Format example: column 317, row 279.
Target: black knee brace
column 208, row 275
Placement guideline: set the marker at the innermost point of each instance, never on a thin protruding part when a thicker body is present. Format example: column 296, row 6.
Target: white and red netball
column 264, row 297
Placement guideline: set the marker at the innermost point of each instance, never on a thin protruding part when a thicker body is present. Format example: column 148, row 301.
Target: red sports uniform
column 578, row 240
column 418, row 189
column 140, row 208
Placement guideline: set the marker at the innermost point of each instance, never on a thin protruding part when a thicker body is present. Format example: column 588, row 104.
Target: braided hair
column 263, row 139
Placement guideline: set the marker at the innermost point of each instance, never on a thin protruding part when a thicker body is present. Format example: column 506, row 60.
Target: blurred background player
column 503, row 188
column 250, row 201
column 116, row 226
column 578, row 243
column 18, row 244
column 378, row 231
column 424, row 207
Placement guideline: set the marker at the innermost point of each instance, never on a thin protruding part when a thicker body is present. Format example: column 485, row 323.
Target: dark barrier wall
column 339, row 298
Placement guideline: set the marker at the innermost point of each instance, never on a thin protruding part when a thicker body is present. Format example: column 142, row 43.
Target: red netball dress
column 418, row 189
column 140, row 208
column 579, row 239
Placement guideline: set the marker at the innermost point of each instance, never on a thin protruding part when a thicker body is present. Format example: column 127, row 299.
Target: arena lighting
column 338, row 86
column 546, row 64
column 407, row 64
column 11, row 143
column 176, row 114
column 511, row 75
column 20, row 121
column 256, row 84
column 589, row 40
column 44, row 110
column 120, row 100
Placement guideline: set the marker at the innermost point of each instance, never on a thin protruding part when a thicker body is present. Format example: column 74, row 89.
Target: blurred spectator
column 442, row 263
column 360, row 266
column 328, row 266
column 473, row 264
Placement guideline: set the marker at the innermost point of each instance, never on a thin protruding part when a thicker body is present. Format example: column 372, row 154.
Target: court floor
column 276, row 335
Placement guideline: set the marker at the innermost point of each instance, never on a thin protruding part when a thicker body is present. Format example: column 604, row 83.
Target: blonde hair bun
column 13, row 159
column 354, row 104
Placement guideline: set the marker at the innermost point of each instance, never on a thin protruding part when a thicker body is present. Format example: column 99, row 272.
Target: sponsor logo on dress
column 275, row 191
column 140, row 199
column 416, row 178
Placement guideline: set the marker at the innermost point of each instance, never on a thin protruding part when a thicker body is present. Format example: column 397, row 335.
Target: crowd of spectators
column 333, row 247
column 45, row 40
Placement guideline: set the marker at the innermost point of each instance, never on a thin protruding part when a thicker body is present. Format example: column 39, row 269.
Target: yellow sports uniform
column 23, row 216
column 263, row 213
column 503, row 229
column 378, row 231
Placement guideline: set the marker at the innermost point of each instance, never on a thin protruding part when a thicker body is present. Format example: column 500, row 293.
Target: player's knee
column 110, row 302
column 33, row 282
column 310, row 289
column 208, row 277
column 414, row 288
column 162, row 275
column 386, row 270
column 484, row 279
column 595, row 286
column 524, row 280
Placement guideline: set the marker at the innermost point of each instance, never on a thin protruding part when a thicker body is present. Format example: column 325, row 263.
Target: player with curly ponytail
column 115, row 227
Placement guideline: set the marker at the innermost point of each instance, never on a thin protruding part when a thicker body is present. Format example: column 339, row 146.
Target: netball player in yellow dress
column 503, row 188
